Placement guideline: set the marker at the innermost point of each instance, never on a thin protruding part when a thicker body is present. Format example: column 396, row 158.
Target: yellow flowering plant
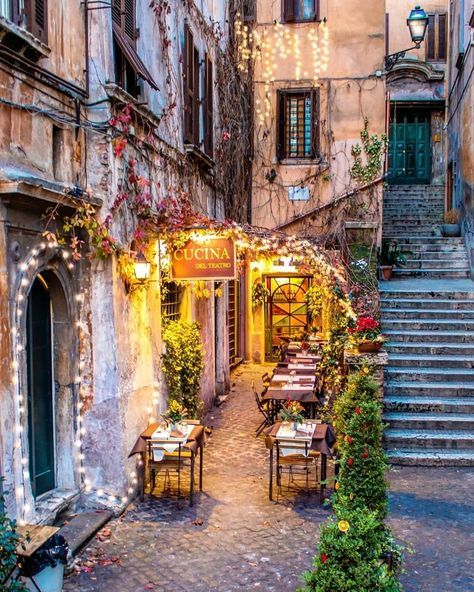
column 292, row 411
column 175, row 412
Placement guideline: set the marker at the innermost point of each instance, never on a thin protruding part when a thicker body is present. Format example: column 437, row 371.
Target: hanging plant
column 259, row 294
column 9, row 540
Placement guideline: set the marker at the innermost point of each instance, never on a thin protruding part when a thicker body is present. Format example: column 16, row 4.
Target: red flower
column 324, row 557
column 350, row 462
column 365, row 454
column 357, row 410
column 349, row 440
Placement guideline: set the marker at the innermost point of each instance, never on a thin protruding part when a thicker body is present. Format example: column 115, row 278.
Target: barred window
column 171, row 295
column 297, row 137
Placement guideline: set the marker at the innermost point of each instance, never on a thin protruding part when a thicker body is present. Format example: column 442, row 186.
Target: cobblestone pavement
column 235, row 539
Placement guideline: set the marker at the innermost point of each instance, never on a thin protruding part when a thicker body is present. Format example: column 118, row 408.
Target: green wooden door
column 40, row 389
column 409, row 148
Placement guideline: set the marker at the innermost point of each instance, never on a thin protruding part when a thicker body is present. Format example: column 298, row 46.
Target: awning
column 133, row 57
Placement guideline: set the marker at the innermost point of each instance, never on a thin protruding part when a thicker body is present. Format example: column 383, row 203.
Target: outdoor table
column 195, row 443
column 322, row 441
column 296, row 392
column 284, row 376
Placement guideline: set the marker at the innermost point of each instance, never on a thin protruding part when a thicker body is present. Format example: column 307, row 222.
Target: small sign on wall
column 298, row 193
column 207, row 259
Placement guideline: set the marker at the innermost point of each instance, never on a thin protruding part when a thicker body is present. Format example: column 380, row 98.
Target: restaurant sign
column 213, row 259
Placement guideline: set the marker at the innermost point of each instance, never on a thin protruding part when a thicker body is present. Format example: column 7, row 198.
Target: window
column 31, row 15
column 297, row 116
column 191, row 89
column 298, row 11
column 170, row 301
column 436, row 38
column 208, row 107
column 127, row 63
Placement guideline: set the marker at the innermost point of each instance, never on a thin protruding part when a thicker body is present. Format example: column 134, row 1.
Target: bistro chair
column 295, row 459
column 264, row 410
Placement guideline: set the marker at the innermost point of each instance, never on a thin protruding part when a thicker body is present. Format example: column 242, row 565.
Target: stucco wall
column 348, row 91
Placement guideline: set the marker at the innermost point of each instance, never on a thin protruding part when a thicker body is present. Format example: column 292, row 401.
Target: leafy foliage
column 356, row 549
column 259, row 294
column 352, row 560
column 389, row 254
column 183, row 364
column 314, row 298
column 368, row 157
column 9, row 539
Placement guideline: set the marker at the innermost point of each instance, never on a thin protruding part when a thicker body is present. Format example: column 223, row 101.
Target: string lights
column 277, row 45
column 27, row 274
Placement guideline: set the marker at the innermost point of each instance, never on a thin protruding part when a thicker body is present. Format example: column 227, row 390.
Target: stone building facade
column 460, row 118
column 89, row 97
column 318, row 74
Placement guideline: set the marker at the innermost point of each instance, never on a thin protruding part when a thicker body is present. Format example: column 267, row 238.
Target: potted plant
column 292, row 412
column 259, row 294
column 451, row 226
column 366, row 335
column 390, row 256
column 175, row 414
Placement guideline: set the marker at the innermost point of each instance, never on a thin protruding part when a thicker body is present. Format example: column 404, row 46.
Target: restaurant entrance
column 286, row 311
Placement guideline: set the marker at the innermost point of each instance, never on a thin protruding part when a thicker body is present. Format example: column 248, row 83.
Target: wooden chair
column 264, row 410
column 299, row 461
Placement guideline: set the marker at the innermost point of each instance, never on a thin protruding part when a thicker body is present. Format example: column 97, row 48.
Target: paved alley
column 235, row 539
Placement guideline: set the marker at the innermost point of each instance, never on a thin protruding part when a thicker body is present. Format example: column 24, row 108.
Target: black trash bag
column 54, row 551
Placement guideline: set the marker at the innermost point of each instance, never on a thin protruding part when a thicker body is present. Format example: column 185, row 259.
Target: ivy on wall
column 368, row 157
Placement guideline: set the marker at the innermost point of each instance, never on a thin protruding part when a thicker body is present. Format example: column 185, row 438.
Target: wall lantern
column 417, row 24
column 142, row 267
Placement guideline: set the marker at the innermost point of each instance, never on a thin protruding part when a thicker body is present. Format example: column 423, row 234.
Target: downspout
column 86, row 35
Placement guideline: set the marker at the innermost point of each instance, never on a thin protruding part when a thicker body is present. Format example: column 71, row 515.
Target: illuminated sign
column 207, row 259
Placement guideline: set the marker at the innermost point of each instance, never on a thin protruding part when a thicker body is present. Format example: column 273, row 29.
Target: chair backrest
column 259, row 403
column 266, row 378
column 296, row 447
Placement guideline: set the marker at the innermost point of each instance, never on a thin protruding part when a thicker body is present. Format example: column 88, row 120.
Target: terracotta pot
column 386, row 271
column 369, row 347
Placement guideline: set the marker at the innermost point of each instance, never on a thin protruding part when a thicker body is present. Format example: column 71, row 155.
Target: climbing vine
column 368, row 157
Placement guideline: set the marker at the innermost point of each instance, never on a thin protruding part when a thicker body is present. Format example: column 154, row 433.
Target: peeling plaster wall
column 127, row 343
column 348, row 91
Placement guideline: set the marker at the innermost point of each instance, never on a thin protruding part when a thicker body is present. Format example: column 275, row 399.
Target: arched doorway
column 40, row 381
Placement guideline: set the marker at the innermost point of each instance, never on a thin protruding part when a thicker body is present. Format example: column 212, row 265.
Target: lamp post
column 417, row 24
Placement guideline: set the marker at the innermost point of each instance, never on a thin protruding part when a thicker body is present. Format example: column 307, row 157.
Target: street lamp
column 417, row 23
column 142, row 267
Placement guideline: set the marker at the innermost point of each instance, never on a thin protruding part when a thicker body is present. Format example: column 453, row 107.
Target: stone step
column 412, row 439
column 430, row 348
column 423, row 405
column 417, row 336
column 428, row 421
column 454, row 254
column 425, row 313
column 408, row 239
column 428, row 389
column 400, row 273
column 398, row 234
column 424, row 303
column 431, row 457
column 429, row 295
column 415, row 361
column 398, row 218
column 82, row 527
column 428, row 325
column 417, row 374
column 456, row 263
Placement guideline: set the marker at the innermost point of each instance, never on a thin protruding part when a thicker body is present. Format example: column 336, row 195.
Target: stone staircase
column 427, row 315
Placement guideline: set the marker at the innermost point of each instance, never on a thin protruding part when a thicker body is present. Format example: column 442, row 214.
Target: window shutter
column 123, row 15
column 197, row 96
column 188, row 82
column 442, row 41
column 430, row 42
column 129, row 19
column 37, row 18
column 208, row 107
column 288, row 10
column 282, row 123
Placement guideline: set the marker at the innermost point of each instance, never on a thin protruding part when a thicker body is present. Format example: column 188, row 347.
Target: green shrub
column 355, row 560
column 361, row 388
column 361, row 479
column 9, row 540
column 183, row 364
